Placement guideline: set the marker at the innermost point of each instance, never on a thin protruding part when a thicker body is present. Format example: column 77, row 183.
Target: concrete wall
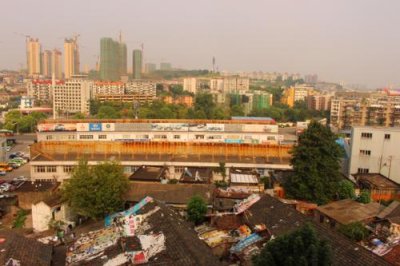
column 384, row 155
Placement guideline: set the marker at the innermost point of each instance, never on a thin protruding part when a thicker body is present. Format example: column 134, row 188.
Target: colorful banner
column 133, row 210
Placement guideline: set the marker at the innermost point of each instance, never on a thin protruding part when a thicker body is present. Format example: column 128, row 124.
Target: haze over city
column 341, row 41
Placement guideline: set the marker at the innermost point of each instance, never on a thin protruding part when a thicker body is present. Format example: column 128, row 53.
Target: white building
column 26, row 102
column 51, row 210
column 376, row 150
column 73, row 96
column 190, row 85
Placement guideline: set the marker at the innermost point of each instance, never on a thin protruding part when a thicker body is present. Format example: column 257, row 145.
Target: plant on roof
column 355, row 231
column 19, row 221
column 96, row 191
column 300, row 247
column 196, row 209
column 364, row 197
column 316, row 165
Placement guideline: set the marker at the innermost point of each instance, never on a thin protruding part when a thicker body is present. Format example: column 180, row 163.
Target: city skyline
column 341, row 41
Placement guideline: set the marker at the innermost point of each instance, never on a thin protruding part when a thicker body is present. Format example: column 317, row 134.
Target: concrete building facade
column 73, row 96
column 33, row 54
column 71, row 58
column 137, row 64
column 375, row 150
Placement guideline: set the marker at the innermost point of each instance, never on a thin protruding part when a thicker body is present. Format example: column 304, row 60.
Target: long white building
column 376, row 150
column 73, row 96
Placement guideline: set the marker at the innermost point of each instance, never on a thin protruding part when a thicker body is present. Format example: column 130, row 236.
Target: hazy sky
column 354, row 41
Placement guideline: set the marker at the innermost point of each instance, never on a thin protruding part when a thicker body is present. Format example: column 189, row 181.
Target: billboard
column 56, row 127
column 82, row 126
column 95, row 127
column 108, row 126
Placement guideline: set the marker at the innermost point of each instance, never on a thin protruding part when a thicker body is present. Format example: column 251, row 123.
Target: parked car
column 13, row 165
column 8, row 148
column 2, row 173
column 20, row 178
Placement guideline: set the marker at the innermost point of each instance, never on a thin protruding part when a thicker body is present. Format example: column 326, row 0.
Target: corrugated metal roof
column 244, row 178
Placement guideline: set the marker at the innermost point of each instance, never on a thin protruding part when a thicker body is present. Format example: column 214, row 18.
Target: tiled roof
column 392, row 212
column 169, row 193
column 183, row 247
column 347, row 211
column 26, row 251
column 280, row 219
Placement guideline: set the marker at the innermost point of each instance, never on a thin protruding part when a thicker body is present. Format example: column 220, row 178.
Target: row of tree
column 20, row 123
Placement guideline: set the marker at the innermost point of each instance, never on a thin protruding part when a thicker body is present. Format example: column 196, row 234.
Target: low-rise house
column 392, row 215
column 19, row 250
column 196, row 175
column 49, row 210
column 149, row 233
column 29, row 192
column 380, row 187
column 281, row 219
column 347, row 211
column 149, row 174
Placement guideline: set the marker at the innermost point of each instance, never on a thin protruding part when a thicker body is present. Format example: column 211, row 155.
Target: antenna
column 213, row 64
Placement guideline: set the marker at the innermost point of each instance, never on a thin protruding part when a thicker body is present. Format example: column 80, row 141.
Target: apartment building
column 296, row 93
column 375, row 150
column 349, row 112
column 41, row 90
column 141, row 91
column 73, row 96
column 319, row 102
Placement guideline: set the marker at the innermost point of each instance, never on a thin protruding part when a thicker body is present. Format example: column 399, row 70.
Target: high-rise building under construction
column 71, row 57
column 113, row 62
column 137, row 64
column 33, row 56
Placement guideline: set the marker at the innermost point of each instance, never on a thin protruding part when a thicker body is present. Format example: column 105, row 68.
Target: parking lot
column 24, row 170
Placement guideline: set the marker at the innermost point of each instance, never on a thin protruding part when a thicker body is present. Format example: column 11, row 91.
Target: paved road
column 23, row 170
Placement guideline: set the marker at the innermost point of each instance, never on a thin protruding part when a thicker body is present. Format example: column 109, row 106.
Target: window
column 86, row 137
column 49, row 137
column 363, row 170
column 160, row 136
column 199, row 136
column 40, row 169
column 102, row 136
column 366, row 135
column 51, row 169
column 387, row 136
column 177, row 136
column 365, row 152
column 68, row 168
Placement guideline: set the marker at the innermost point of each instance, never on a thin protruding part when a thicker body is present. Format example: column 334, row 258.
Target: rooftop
column 159, row 237
column 245, row 120
column 281, row 219
column 376, row 181
column 26, row 251
column 348, row 211
column 169, row 193
column 148, row 173
column 37, row 186
column 244, row 178
column 392, row 212
column 196, row 175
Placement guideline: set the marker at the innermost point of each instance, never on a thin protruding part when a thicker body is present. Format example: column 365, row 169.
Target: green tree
column 300, row 247
column 345, row 190
column 237, row 110
column 96, row 191
column 196, row 209
column 364, row 197
column 107, row 112
column 355, row 231
column 78, row 115
column 316, row 165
